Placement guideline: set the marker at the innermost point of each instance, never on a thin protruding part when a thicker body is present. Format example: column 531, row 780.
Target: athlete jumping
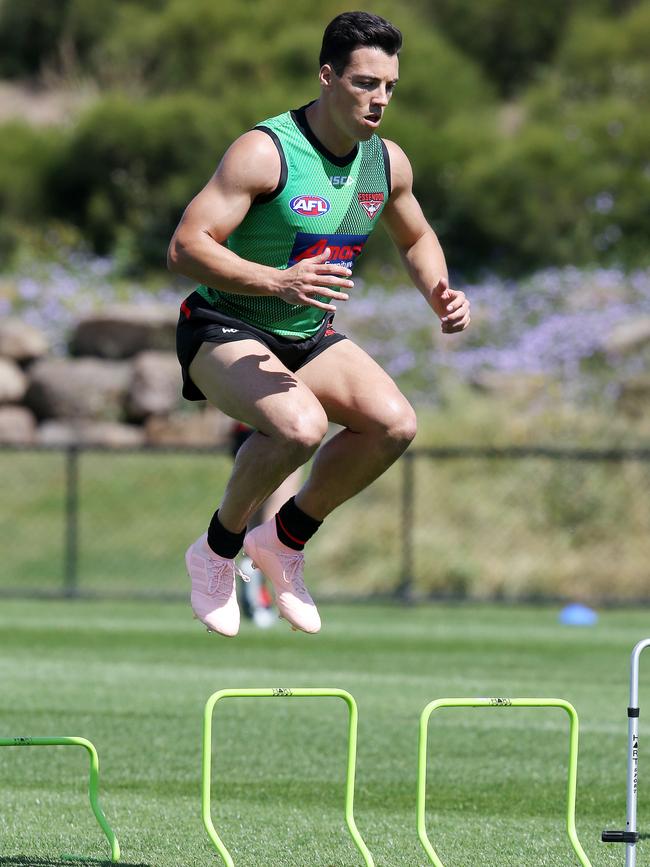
column 272, row 239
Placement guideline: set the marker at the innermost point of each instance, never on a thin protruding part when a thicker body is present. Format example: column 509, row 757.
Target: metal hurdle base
column 281, row 693
column 93, row 782
column 500, row 703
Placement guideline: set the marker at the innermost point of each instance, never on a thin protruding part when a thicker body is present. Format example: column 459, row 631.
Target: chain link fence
column 461, row 523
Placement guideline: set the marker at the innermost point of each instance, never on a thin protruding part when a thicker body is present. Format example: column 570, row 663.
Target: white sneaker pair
column 214, row 596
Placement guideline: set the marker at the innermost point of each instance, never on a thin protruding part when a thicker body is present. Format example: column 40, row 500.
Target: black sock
column 294, row 527
column 222, row 541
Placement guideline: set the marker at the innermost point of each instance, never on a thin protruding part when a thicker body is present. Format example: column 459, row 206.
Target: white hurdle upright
column 630, row 835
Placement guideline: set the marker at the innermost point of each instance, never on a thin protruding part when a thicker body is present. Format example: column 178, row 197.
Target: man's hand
column 451, row 306
column 298, row 284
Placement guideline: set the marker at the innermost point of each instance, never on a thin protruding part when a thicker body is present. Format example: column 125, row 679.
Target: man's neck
column 325, row 131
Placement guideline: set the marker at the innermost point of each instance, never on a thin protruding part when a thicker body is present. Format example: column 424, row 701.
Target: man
column 254, row 599
column 272, row 239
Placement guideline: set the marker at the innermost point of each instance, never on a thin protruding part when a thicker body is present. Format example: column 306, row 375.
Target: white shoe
column 214, row 596
column 283, row 567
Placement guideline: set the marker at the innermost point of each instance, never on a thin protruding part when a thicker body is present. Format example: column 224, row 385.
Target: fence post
column 405, row 588
column 70, row 578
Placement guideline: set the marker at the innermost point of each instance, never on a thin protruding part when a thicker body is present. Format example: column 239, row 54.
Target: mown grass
column 134, row 678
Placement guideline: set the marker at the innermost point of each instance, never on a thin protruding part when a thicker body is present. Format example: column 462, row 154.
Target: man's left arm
column 419, row 247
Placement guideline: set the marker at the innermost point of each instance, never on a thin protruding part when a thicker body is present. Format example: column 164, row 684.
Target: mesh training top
column 321, row 201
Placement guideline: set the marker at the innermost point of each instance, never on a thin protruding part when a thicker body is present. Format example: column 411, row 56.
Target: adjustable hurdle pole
column 630, row 836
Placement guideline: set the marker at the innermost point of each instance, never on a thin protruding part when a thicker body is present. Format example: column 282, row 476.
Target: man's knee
column 397, row 426
column 303, row 432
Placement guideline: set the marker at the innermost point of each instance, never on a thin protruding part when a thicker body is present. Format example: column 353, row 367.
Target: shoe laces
column 221, row 575
column 292, row 569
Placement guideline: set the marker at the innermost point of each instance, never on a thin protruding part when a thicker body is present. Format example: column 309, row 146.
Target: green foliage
column 50, row 34
column 130, row 168
column 602, row 58
column 508, row 38
column 557, row 174
column 512, row 41
column 27, row 159
column 571, row 184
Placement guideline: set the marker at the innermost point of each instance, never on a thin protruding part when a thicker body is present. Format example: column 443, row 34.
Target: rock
column 121, row 331
column 21, row 342
column 78, row 388
column 207, row 428
column 102, row 433
column 634, row 396
column 628, row 337
column 156, row 385
column 17, row 425
column 13, row 382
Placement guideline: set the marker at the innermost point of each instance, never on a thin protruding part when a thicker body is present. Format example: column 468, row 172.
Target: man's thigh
column 353, row 388
column 245, row 380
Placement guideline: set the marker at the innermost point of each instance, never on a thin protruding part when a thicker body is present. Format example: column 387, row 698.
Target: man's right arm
column 250, row 167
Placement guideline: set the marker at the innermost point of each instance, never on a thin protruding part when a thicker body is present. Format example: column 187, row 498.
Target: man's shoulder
column 277, row 121
column 400, row 166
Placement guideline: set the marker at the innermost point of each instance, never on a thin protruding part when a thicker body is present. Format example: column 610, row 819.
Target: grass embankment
column 480, row 527
column 134, row 678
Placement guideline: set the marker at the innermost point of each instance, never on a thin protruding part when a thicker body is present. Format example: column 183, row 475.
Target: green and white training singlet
column 321, row 201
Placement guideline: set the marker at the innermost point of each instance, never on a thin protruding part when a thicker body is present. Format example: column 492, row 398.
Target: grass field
column 134, row 678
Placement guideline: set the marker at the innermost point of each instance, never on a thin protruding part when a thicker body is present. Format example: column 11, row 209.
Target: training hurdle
column 499, row 703
column 281, row 693
column 630, row 836
column 93, row 782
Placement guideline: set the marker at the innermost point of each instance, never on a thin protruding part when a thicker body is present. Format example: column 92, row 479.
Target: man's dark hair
column 352, row 30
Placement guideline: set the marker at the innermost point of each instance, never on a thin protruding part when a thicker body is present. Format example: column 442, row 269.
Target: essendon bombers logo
column 371, row 203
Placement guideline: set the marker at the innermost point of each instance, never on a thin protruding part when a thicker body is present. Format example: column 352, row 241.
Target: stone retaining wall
column 120, row 385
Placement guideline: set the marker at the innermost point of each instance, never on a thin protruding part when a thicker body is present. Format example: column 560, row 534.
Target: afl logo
column 309, row 206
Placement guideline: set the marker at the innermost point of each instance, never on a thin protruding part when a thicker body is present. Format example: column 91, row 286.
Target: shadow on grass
column 62, row 861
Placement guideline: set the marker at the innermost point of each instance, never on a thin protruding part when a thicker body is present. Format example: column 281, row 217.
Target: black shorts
column 199, row 323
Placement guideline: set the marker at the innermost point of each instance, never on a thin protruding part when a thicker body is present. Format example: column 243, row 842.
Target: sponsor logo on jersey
column 344, row 249
column 309, row 206
column 342, row 180
column 371, row 203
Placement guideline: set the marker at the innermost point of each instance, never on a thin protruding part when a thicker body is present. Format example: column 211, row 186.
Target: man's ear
column 326, row 75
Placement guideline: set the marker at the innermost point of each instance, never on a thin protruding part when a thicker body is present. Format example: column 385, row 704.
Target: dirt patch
column 42, row 106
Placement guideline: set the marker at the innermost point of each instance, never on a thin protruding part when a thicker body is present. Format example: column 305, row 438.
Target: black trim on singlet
column 263, row 198
column 300, row 119
column 387, row 166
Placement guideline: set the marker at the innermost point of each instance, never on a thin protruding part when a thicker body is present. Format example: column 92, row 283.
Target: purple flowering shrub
column 555, row 323
column 54, row 296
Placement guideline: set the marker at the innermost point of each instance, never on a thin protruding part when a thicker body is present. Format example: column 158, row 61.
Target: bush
column 130, row 168
column 50, row 34
column 27, row 159
column 561, row 194
column 509, row 39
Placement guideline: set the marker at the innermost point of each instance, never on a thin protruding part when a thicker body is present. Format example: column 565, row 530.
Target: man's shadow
column 260, row 381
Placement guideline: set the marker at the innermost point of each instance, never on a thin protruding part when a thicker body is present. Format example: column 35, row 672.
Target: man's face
column 359, row 96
